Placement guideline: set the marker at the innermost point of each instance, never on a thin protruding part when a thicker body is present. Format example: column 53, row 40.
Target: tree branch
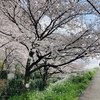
column 93, row 7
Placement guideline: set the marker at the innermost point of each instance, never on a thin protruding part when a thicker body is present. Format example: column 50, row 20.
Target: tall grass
column 69, row 89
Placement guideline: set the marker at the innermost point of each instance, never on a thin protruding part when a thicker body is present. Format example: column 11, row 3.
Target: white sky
column 93, row 63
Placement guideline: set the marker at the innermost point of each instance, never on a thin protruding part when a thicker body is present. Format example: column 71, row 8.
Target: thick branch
column 93, row 7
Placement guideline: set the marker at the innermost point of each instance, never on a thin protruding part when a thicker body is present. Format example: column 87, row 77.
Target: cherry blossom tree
column 38, row 25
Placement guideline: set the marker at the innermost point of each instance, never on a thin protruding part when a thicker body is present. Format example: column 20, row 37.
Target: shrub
column 19, row 76
column 36, row 84
column 3, row 74
column 15, row 87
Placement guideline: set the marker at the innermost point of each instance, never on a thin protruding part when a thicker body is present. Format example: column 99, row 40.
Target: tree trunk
column 27, row 76
column 44, row 82
column 44, row 78
column 27, row 81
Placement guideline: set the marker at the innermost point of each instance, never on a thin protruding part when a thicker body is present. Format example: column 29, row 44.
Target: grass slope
column 69, row 89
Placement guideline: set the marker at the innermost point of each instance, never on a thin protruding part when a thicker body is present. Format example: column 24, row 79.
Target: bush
column 36, row 84
column 3, row 74
column 15, row 87
column 19, row 76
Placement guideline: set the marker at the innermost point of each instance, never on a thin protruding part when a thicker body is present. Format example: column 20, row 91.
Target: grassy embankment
column 69, row 89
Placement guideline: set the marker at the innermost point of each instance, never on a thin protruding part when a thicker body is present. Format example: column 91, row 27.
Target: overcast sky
column 93, row 63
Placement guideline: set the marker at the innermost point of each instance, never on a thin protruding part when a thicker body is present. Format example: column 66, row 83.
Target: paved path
column 93, row 90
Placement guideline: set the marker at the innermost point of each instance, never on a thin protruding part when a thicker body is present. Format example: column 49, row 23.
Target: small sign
column 27, row 85
column 11, row 76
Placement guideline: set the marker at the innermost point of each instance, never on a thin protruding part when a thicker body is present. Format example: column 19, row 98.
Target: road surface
column 93, row 90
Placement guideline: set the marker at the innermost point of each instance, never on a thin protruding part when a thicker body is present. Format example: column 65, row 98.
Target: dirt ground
column 93, row 90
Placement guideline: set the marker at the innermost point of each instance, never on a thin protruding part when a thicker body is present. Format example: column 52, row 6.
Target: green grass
column 69, row 89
